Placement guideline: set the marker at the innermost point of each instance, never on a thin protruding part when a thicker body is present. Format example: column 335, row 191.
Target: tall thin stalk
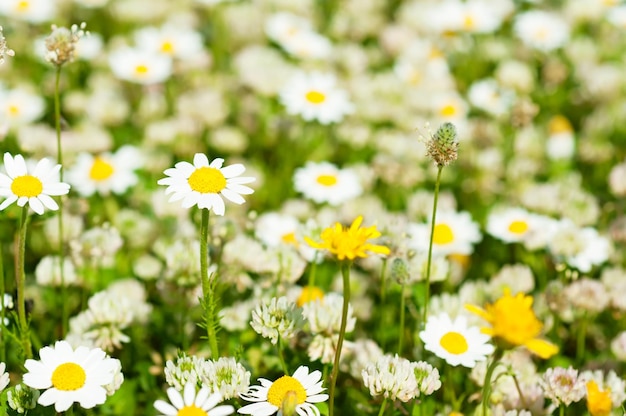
column 20, row 280
column 345, row 273
column 2, row 307
column 430, row 245
column 208, row 294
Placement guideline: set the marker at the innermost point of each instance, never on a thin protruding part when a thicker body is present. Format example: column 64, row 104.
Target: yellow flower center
column 315, row 97
column 191, row 411
column 68, row 377
column 22, row 6
column 469, row 23
column 290, row 238
column 443, row 234
column 141, row 69
column 167, row 47
column 14, row 110
column 100, row 170
column 448, row 110
column 282, row 387
column 310, row 294
column 327, row 180
column 454, row 343
column 207, row 180
column 513, row 319
column 27, row 185
column 559, row 124
column 598, row 401
column 518, row 227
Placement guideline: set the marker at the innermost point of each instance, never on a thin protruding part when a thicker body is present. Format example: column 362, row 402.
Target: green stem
column 430, row 245
column 345, row 273
column 580, row 339
column 20, row 280
column 382, row 407
column 2, row 307
column 519, row 391
column 402, row 313
column 207, row 287
column 383, row 298
column 562, row 410
column 487, row 384
column 57, row 125
column 281, row 356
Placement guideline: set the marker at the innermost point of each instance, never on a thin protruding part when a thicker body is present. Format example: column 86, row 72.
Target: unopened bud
column 400, row 271
column 443, row 146
column 290, row 401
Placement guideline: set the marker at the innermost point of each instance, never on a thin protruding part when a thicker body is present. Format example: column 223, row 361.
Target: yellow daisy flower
column 598, row 401
column 349, row 242
column 514, row 323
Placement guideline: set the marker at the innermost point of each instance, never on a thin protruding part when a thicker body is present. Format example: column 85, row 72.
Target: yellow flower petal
column 542, row 348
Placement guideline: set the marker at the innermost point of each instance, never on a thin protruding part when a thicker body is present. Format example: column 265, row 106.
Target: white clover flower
column 278, row 318
column 34, row 188
column 324, row 315
column 588, row 295
column 563, row 385
column 48, row 272
column 225, row 376
column 22, row 398
column 187, row 369
column 100, row 244
column 391, row 377
column 427, row 378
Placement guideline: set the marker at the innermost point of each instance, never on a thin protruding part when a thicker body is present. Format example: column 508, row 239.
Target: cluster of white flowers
column 277, row 318
column 563, row 386
column 395, row 377
column 109, row 313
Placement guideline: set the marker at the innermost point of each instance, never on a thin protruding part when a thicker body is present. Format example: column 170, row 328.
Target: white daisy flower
column 34, row 188
column 4, row 377
column 170, row 40
column 541, row 30
column 325, row 182
column 455, row 341
column 581, row 248
column 275, row 229
column 192, row 403
column 315, row 96
column 34, row 11
column 491, row 97
column 455, row 233
column 513, row 225
column 20, row 106
column 105, row 173
column 303, row 387
column 142, row 67
column 204, row 184
column 70, row 375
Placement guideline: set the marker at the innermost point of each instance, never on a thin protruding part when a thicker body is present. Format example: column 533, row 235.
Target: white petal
column 240, row 189
column 48, row 202
column 258, row 409
column 217, row 163
column 8, row 202
column 222, row 410
column 232, row 196
column 165, row 408
column 217, row 204
column 205, row 400
column 200, row 160
column 175, row 398
column 233, row 170
column 189, row 393
column 36, row 205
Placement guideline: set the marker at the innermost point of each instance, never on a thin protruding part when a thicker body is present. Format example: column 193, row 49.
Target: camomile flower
column 191, row 403
column 455, row 341
column 71, row 376
column 142, row 67
column 513, row 225
column 204, row 184
column 170, row 40
column 491, row 97
column 35, row 188
column 315, row 96
column 105, row 173
column 325, row 182
column 541, row 30
column 34, row 11
column 20, row 106
column 297, row 392
column 454, row 233
column 276, row 229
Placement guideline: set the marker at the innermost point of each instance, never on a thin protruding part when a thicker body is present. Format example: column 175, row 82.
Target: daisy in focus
column 454, row 233
column 191, row 403
column 70, row 376
column 142, row 67
column 514, row 323
column 35, row 188
column 106, row 173
column 325, row 182
column 204, row 184
column 349, row 242
column 298, row 392
column 315, row 96
column 455, row 341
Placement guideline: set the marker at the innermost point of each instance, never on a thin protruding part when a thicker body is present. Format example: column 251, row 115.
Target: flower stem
column 207, row 287
column 430, row 245
column 281, row 356
column 20, row 280
column 382, row 407
column 562, row 410
column 487, row 384
column 383, row 296
column 345, row 273
column 402, row 313
column 580, row 339
column 57, row 125
column 519, row 391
